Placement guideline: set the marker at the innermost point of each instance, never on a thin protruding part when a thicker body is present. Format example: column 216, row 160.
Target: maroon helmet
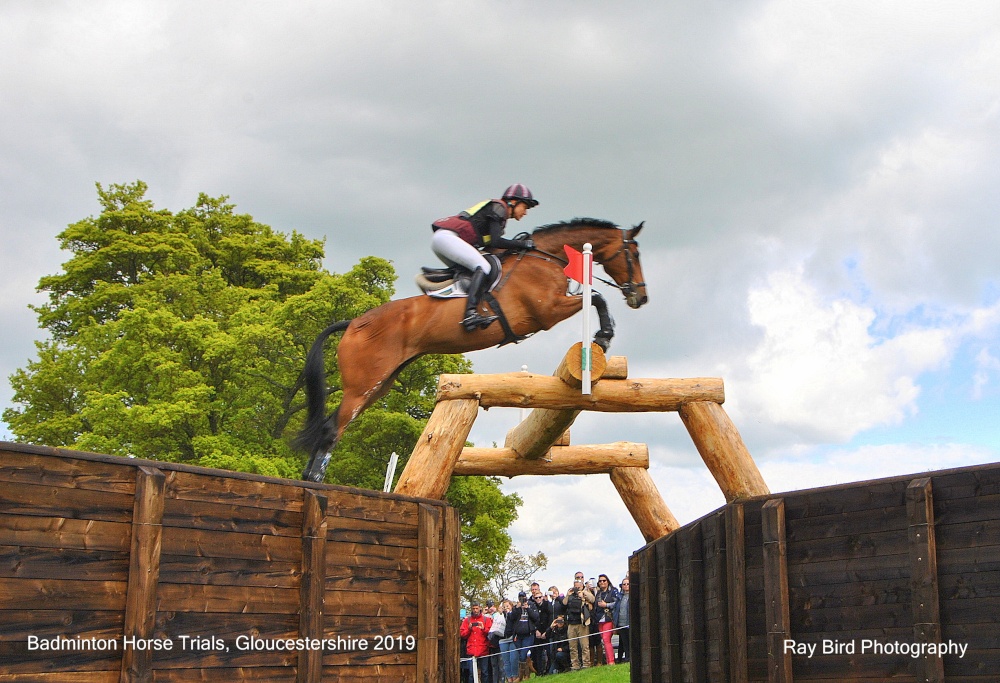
column 520, row 193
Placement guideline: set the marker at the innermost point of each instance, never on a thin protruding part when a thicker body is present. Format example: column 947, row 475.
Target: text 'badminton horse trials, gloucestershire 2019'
column 531, row 295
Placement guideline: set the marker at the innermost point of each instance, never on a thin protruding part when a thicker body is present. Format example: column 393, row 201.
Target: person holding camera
column 522, row 622
column 473, row 630
column 578, row 601
column 558, row 646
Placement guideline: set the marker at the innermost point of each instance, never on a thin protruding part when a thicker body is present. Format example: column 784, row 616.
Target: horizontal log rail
column 594, row 459
column 526, row 390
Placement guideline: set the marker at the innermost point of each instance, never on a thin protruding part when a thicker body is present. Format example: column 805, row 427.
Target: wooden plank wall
column 105, row 548
column 905, row 560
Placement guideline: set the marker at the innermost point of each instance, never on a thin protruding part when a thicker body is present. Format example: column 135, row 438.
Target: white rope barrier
column 528, row 647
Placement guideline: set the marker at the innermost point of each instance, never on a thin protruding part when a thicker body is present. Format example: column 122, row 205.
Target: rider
column 458, row 241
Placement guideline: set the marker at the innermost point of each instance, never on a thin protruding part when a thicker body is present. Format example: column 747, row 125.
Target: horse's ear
column 637, row 229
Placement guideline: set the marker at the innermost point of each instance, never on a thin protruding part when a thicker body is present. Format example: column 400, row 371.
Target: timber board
column 196, row 514
column 231, row 544
column 109, row 676
column 47, row 594
column 58, row 471
column 17, row 625
column 975, row 559
column 18, row 660
column 354, row 555
column 850, row 595
column 27, row 562
column 227, row 571
column 52, row 501
column 60, row 532
column 259, row 674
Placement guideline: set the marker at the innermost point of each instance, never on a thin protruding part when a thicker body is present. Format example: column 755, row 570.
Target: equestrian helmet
column 520, row 193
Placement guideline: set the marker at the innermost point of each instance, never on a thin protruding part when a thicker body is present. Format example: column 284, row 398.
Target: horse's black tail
column 313, row 435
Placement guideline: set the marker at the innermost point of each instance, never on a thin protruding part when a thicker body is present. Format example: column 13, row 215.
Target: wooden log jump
column 525, row 390
column 596, row 459
column 530, row 447
column 543, row 427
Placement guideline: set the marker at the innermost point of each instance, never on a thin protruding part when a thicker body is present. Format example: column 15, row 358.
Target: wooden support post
column 543, row 427
column 691, row 577
column 525, row 390
column 597, row 459
column 736, row 579
column 451, row 587
column 716, row 603
column 313, row 586
column 429, row 470
column 924, row 577
column 644, row 502
column 664, row 577
column 143, row 573
column 776, row 603
column 637, row 615
column 428, row 590
column 723, row 450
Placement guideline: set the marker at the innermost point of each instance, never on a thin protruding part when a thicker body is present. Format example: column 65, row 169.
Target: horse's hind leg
column 319, row 458
column 364, row 382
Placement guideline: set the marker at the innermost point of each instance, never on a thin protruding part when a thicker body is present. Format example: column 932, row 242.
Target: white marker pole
column 588, row 278
column 390, row 472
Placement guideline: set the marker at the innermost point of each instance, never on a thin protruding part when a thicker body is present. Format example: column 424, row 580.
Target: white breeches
column 455, row 251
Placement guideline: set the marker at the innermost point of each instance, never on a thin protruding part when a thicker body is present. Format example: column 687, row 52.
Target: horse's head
column 620, row 259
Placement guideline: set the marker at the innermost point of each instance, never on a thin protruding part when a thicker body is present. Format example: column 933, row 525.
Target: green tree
column 181, row 337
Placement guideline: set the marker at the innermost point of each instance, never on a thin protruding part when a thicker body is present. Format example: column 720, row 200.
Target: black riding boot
column 477, row 286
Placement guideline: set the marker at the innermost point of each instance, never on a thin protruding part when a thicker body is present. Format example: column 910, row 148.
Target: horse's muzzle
column 635, row 301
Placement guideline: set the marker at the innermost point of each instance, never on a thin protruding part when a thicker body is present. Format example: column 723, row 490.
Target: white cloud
column 819, row 370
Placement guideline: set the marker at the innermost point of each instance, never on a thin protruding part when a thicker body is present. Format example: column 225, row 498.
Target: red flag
column 574, row 270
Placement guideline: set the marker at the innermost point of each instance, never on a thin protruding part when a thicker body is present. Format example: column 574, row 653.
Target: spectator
column 521, row 624
column 473, row 631
column 621, row 622
column 605, row 601
column 558, row 610
column 507, row 652
column 578, row 601
column 594, row 641
column 495, row 636
column 558, row 646
column 540, row 648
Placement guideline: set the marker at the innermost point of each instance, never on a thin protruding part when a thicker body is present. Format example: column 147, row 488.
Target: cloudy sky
column 818, row 182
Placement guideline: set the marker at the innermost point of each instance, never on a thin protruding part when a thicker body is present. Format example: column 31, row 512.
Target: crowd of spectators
column 544, row 633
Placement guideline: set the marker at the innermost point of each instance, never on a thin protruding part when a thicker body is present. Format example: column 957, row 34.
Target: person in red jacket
column 473, row 631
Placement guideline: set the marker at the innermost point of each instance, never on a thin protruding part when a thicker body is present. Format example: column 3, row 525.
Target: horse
column 532, row 295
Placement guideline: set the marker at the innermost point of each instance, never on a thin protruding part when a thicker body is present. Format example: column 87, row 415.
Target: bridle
column 629, row 289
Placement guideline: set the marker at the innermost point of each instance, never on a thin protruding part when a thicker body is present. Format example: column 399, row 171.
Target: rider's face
column 518, row 210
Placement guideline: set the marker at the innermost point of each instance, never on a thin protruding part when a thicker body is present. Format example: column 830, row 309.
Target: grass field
column 619, row 673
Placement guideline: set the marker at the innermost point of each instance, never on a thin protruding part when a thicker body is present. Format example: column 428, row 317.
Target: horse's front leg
column 607, row 331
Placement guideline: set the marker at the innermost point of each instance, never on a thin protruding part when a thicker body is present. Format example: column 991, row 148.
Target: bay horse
column 532, row 294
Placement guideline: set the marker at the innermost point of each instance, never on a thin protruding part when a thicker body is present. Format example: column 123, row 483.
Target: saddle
column 453, row 283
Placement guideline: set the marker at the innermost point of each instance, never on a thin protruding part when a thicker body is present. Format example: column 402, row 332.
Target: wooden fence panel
column 216, row 576
column 903, row 562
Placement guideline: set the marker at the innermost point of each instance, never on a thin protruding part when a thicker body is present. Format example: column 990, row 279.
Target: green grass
column 619, row 673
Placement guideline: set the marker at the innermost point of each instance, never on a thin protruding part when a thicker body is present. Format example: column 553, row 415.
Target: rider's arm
column 496, row 219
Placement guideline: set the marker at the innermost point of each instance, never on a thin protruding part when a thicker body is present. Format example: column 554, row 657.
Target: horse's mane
column 571, row 224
